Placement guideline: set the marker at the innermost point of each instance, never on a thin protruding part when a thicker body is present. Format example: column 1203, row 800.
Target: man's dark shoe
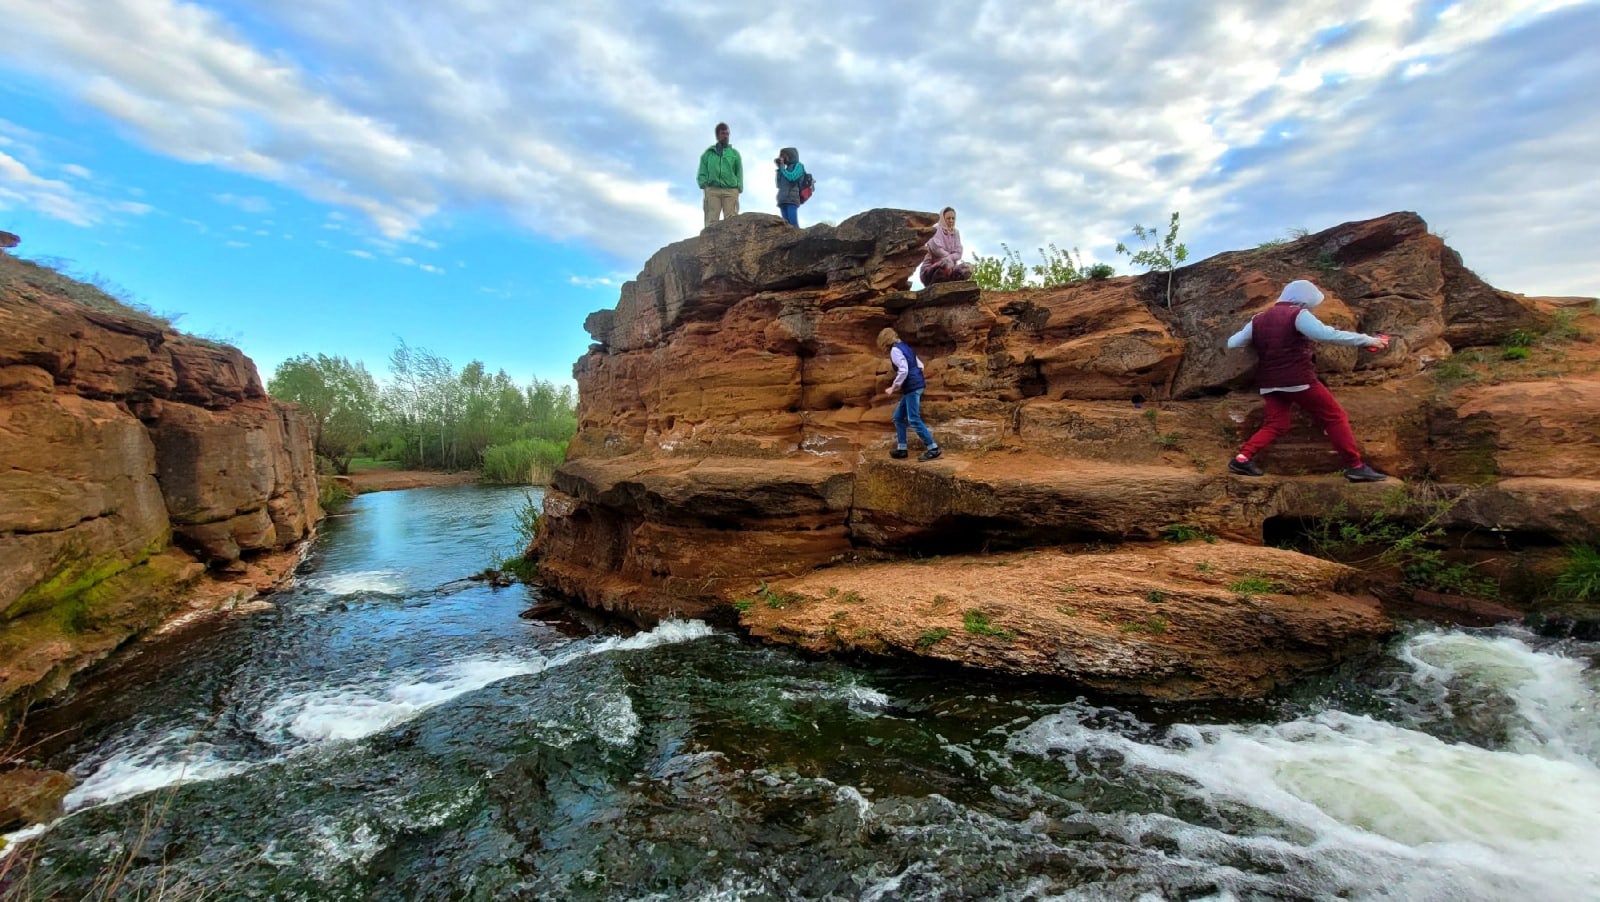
column 1364, row 473
column 1245, row 468
column 899, row 454
column 931, row 454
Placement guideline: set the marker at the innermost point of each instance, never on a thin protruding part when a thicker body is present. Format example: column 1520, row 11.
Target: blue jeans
column 791, row 214
column 910, row 411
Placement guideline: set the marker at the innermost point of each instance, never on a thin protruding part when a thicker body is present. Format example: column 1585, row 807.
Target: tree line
column 429, row 415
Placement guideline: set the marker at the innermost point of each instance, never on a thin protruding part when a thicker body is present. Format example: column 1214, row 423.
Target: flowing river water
column 387, row 731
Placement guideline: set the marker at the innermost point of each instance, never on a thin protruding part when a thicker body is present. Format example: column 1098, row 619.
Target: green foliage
column 1519, row 338
column 1185, row 532
column 1056, row 267
column 1454, row 370
column 1516, row 353
column 1003, row 273
column 331, row 493
column 1170, row 441
column 1154, row 626
column 1203, row 566
column 1563, row 327
column 1251, row 586
column 775, row 599
column 528, row 514
column 1160, row 253
column 977, row 623
column 932, row 637
column 1155, row 596
column 435, row 417
column 522, row 567
column 1325, row 262
column 339, row 398
column 1580, row 580
column 743, row 604
column 1289, row 237
column 1403, row 536
column 526, row 461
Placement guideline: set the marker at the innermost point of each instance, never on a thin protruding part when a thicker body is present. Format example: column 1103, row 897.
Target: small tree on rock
column 1165, row 255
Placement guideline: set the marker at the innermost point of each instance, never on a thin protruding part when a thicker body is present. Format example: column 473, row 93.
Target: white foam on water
column 10, row 842
column 357, row 710
column 1554, row 696
column 171, row 760
column 613, row 719
column 360, row 582
column 1389, row 810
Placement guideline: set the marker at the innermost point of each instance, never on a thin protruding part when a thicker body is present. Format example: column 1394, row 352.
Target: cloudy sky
column 475, row 176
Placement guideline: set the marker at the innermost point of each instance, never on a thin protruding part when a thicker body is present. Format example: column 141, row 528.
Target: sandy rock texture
column 134, row 457
column 733, row 429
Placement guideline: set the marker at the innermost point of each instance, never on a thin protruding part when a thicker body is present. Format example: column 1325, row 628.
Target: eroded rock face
column 119, row 437
column 732, row 421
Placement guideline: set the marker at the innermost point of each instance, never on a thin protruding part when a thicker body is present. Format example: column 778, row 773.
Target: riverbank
column 379, row 479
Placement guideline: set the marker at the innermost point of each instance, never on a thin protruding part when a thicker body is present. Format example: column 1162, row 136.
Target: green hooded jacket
column 721, row 170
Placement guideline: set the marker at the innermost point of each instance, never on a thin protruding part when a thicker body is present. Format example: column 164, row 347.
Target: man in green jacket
column 721, row 177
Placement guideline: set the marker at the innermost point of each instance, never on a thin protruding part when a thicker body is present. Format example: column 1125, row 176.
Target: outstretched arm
column 1307, row 324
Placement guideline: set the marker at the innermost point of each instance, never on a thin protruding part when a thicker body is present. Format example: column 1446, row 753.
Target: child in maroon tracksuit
column 1284, row 337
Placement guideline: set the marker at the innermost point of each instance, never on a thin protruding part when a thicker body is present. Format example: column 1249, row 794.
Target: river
column 390, row 731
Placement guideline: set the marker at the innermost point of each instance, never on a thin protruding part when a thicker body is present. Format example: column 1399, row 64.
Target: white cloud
column 365, row 255
column 76, row 171
column 1046, row 122
column 249, row 203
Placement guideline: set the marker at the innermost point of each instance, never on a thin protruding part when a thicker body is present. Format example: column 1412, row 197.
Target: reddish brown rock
column 1188, row 622
column 117, row 435
column 738, row 375
column 29, row 796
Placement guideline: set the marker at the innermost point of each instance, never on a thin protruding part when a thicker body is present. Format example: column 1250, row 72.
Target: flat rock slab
column 1176, row 622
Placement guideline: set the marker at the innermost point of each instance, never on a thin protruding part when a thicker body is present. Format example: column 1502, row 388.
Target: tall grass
column 528, row 461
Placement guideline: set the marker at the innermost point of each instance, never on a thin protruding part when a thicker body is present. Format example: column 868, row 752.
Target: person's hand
column 888, row 391
column 1383, row 342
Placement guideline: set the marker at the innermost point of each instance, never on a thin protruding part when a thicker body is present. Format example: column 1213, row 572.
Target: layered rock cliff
column 731, row 453
column 131, row 457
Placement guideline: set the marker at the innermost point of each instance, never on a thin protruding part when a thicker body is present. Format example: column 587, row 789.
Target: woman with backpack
column 790, row 174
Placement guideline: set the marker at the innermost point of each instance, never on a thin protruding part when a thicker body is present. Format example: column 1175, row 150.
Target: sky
column 475, row 177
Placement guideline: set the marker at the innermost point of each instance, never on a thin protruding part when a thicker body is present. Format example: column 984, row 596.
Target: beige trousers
column 721, row 203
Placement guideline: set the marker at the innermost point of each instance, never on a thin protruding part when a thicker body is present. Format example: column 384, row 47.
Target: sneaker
column 1364, row 473
column 899, row 454
column 931, row 454
column 1245, row 468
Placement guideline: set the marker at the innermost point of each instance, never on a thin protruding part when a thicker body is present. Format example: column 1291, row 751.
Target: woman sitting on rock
column 942, row 263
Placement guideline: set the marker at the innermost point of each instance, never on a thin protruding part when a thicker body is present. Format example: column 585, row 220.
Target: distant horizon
column 331, row 179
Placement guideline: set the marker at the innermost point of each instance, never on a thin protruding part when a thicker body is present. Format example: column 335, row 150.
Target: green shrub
column 1519, row 338
column 977, row 623
column 1581, row 578
column 1251, row 586
column 1515, row 353
column 932, row 637
column 528, row 461
column 523, row 568
column 1101, row 271
column 1179, row 533
column 1003, row 273
column 528, row 515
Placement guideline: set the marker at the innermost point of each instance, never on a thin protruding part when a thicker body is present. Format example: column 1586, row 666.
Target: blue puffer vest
column 914, row 378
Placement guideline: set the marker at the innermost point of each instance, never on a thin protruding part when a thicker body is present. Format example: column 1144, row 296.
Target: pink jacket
column 943, row 244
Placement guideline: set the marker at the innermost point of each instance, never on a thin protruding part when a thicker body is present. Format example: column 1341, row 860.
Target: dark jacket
column 1283, row 355
column 788, row 177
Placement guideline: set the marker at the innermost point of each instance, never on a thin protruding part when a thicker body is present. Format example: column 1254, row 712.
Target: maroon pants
column 945, row 271
column 1316, row 401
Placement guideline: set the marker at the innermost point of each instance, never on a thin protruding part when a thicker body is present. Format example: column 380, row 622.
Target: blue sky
column 474, row 178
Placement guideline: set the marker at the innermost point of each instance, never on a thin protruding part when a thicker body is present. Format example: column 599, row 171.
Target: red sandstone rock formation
column 119, row 437
column 732, row 428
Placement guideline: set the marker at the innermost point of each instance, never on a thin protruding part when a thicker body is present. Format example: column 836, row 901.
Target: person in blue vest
column 1285, row 337
column 909, row 382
